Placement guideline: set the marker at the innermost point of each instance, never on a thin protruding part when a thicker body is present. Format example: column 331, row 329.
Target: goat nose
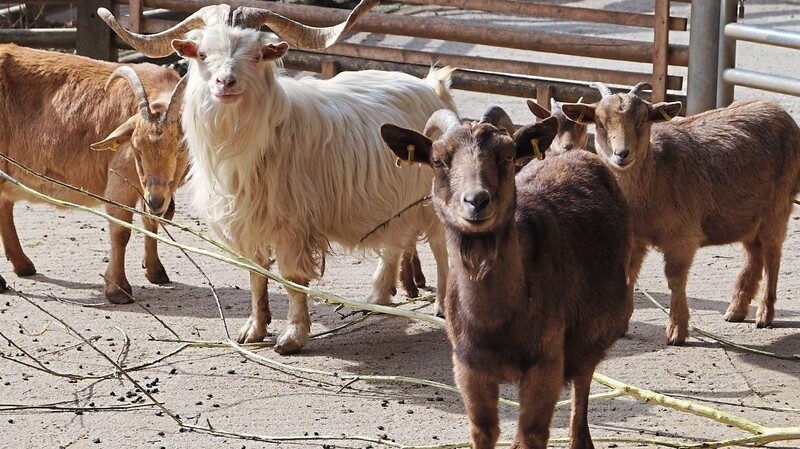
column 479, row 199
column 226, row 81
column 155, row 202
column 622, row 154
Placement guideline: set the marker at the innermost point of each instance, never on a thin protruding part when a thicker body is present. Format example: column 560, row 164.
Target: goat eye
column 437, row 163
column 599, row 125
column 202, row 56
column 509, row 158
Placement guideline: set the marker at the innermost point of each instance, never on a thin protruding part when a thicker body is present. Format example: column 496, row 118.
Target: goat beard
column 478, row 254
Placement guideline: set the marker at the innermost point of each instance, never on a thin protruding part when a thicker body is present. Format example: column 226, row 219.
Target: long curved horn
column 175, row 101
column 295, row 33
column 158, row 45
column 637, row 89
column 499, row 118
column 133, row 80
column 602, row 88
column 442, row 121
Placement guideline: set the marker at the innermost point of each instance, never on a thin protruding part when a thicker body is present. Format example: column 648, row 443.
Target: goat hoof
column 252, row 332
column 733, row 317
column 119, row 296
column 157, row 276
column 3, row 283
column 411, row 291
column 676, row 336
column 764, row 318
column 25, row 270
column 377, row 298
column 293, row 339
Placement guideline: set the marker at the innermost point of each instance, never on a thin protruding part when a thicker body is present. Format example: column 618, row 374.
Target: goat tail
column 439, row 80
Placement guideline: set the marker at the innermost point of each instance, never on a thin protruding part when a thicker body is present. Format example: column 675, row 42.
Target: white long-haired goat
column 293, row 165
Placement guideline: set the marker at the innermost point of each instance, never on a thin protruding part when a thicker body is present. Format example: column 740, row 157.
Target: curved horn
column 133, row 80
column 499, row 118
column 175, row 101
column 158, row 45
column 602, row 88
column 637, row 89
column 295, row 33
column 442, row 121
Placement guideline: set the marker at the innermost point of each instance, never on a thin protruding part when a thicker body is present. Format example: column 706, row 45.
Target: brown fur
column 571, row 135
column 537, row 289
column 53, row 106
column 723, row 176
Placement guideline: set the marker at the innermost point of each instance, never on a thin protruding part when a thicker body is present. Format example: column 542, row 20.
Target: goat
column 571, row 135
column 722, row 176
column 54, row 107
column 293, row 165
column 537, row 289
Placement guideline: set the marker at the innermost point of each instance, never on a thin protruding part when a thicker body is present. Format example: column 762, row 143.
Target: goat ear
column 537, row 110
column 533, row 140
column 579, row 112
column 661, row 112
column 117, row 137
column 186, row 48
column 271, row 52
column 401, row 140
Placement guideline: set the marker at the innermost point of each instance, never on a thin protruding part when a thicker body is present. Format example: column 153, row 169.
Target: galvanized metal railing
column 730, row 76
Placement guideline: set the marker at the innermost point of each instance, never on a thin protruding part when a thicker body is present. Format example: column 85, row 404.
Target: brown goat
column 571, row 135
column 537, row 287
column 54, row 107
column 723, row 176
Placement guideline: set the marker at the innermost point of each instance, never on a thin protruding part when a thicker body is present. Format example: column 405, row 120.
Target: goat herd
column 543, row 256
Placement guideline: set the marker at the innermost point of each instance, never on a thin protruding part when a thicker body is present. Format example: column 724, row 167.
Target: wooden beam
column 94, row 37
column 660, row 50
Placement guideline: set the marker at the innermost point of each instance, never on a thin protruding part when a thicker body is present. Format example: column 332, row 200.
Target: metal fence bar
column 704, row 53
column 763, row 81
column 727, row 53
column 457, row 31
column 763, row 35
column 575, row 13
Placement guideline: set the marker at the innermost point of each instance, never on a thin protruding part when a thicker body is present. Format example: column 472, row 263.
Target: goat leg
column 676, row 268
column 772, row 262
column 479, row 392
column 154, row 269
column 747, row 282
column 21, row 263
column 539, row 390
column 579, row 437
column 117, row 289
column 255, row 329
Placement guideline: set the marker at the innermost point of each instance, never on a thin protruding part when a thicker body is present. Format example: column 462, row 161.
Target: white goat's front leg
column 385, row 278
column 439, row 249
column 255, row 329
column 298, row 326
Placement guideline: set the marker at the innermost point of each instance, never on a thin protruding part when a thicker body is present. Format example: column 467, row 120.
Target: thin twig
column 102, row 354
column 374, row 230
column 56, row 408
column 126, row 344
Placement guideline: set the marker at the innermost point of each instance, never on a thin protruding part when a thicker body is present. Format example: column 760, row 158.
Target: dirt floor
column 57, row 391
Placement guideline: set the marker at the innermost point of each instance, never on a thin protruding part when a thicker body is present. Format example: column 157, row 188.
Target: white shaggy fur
column 294, row 165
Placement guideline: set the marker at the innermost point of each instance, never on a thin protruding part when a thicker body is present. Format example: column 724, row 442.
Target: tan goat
column 723, row 176
column 54, row 107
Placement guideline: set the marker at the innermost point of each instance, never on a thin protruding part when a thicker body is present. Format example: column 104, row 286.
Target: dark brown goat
column 537, row 286
column 723, row 176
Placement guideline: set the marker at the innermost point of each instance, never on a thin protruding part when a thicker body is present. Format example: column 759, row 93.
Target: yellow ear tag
column 580, row 118
column 114, row 146
column 410, row 150
column 665, row 115
column 536, row 152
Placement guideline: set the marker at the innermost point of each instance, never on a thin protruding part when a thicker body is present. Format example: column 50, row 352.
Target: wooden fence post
column 660, row 50
column 94, row 38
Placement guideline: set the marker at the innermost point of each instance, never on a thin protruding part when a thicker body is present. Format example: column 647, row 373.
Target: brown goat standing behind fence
column 55, row 109
column 537, row 286
column 723, row 176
